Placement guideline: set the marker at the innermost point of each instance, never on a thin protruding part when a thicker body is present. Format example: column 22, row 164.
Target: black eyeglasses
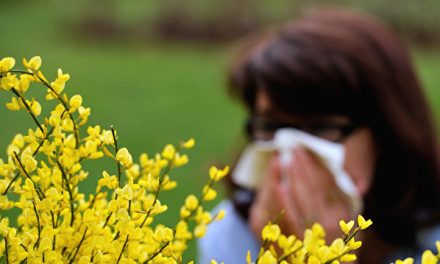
column 264, row 128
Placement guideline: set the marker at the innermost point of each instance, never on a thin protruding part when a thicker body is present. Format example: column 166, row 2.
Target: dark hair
column 344, row 62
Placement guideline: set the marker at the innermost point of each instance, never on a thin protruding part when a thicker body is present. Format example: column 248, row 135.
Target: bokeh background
column 156, row 69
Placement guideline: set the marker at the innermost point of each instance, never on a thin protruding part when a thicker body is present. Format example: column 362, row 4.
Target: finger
column 291, row 220
column 318, row 174
column 271, row 176
column 329, row 199
column 305, row 196
column 263, row 209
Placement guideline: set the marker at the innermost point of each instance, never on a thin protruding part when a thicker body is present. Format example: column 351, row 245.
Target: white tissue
column 254, row 161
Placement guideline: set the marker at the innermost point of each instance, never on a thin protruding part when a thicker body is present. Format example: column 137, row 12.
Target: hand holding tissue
column 253, row 163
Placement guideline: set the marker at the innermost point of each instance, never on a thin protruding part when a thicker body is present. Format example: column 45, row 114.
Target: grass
column 153, row 93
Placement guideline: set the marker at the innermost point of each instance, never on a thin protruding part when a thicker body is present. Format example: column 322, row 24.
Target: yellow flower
column 84, row 260
column 429, row 258
column 200, row 230
column 184, row 213
column 220, row 215
column 75, row 102
column 267, row 258
column 124, row 157
column 110, row 182
column 189, row 143
column 191, row 202
column 33, row 64
column 346, row 227
column 363, row 224
column 180, row 160
column 248, row 257
column 168, row 152
column 126, row 192
column 209, row 194
column 348, row 258
column 6, row 64
column 45, row 244
column 14, row 105
column 352, row 244
column 338, row 246
column 271, row 232
column 163, row 234
column 406, row 261
column 216, row 175
column 35, row 107
column 9, row 81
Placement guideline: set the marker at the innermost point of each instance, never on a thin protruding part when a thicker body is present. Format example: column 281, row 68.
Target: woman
column 342, row 76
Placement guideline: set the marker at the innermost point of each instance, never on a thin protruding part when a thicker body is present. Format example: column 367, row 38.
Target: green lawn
column 153, row 93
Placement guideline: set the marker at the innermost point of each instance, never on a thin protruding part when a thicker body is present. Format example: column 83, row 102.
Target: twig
column 38, row 225
column 6, row 250
column 122, row 251
column 28, row 108
column 72, row 209
column 158, row 252
column 79, row 245
column 38, row 190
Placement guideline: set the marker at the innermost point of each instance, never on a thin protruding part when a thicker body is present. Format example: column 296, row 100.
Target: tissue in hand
column 254, row 161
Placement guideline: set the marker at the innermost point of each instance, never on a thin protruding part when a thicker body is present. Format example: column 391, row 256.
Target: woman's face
column 360, row 149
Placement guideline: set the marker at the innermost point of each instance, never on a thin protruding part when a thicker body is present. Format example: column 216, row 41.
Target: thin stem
column 349, row 237
column 107, row 219
column 288, row 254
column 11, row 182
column 335, row 258
column 122, row 251
column 166, row 171
column 116, row 152
column 6, row 250
column 79, row 245
column 33, row 154
column 38, row 225
column 265, row 242
column 38, row 190
column 42, row 141
column 117, row 235
column 60, row 98
column 158, row 252
column 72, row 208
column 28, row 108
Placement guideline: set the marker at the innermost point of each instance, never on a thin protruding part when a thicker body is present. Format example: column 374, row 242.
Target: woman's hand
column 303, row 193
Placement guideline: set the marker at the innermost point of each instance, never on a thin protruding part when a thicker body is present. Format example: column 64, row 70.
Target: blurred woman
column 344, row 77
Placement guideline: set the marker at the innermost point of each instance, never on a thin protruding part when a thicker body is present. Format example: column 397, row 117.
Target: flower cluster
column 278, row 248
column 59, row 224
column 427, row 257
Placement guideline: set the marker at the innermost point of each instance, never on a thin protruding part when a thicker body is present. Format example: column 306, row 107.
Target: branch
column 28, row 108
column 72, row 209
column 38, row 225
column 122, row 251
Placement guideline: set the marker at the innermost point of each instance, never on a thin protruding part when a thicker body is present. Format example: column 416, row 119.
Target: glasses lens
column 264, row 129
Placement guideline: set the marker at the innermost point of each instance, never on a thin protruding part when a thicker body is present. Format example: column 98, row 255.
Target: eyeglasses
column 264, row 128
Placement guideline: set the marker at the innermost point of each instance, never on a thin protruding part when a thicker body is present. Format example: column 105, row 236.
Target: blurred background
column 156, row 69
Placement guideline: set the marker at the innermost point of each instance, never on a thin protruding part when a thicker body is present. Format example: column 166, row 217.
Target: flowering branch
column 28, row 108
column 38, row 225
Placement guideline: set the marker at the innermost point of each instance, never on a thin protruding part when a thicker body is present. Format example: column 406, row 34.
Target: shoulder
column 227, row 240
column 426, row 240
